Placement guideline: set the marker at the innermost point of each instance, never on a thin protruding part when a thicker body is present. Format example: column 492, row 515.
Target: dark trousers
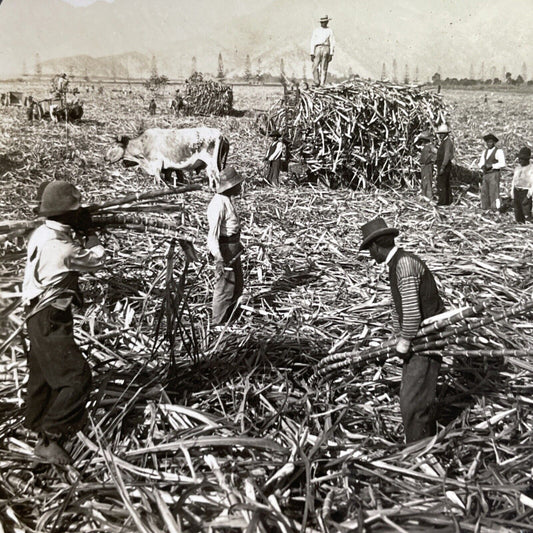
column 272, row 174
column 444, row 190
column 229, row 283
column 490, row 191
column 521, row 205
column 426, row 181
column 60, row 379
column 417, row 396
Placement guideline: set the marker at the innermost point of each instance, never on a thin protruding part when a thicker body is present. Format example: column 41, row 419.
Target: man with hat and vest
column 415, row 298
column 522, row 186
column 321, row 50
column 273, row 159
column 224, row 244
column 491, row 161
column 59, row 377
column 444, row 165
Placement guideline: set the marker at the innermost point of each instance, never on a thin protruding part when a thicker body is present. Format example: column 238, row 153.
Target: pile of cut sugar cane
column 208, row 97
column 451, row 334
column 359, row 133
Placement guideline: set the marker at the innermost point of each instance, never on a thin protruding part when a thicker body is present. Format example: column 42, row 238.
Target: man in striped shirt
column 415, row 297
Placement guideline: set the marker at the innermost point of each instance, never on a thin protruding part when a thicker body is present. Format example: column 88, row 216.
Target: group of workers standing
column 491, row 162
column 65, row 246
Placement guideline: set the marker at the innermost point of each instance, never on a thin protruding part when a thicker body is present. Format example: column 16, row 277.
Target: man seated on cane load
column 225, row 246
column 415, row 297
column 59, row 377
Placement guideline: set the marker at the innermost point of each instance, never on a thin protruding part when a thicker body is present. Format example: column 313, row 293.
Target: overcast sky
column 450, row 33
column 85, row 3
column 57, row 28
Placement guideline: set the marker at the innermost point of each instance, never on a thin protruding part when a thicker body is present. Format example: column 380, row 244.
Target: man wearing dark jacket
column 415, row 297
column 444, row 165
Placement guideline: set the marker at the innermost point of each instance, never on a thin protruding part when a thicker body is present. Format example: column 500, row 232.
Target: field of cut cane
column 197, row 429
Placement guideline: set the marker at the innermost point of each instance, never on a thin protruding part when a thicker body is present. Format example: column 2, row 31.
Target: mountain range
column 119, row 38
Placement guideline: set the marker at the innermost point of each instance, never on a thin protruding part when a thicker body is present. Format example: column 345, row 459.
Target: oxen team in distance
column 162, row 152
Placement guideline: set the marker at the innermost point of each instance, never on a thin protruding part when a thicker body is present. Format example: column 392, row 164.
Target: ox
column 160, row 152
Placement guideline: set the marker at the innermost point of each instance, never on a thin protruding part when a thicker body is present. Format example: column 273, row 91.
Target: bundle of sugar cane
column 438, row 334
column 208, row 98
column 359, row 133
column 13, row 228
column 136, row 221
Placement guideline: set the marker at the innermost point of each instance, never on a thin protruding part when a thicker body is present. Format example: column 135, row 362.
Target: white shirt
column 52, row 254
column 223, row 220
column 523, row 177
column 500, row 158
column 322, row 36
column 390, row 255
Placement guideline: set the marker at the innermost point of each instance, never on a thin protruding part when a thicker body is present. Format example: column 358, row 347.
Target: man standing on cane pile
column 491, row 161
column 415, row 297
column 59, row 377
column 444, row 165
column 225, row 246
column 321, row 50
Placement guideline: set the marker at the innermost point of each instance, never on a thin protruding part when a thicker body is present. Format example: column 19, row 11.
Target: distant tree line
column 508, row 80
column 253, row 73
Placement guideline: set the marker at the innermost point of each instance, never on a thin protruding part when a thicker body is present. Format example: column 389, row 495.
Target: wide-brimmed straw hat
column 374, row 229
column 490, row 136
column 229, row 177
column 58, row 198
column 524, row 153
column 443, row 128
column 325, row 18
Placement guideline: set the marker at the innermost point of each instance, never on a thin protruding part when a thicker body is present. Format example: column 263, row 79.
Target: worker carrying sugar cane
column 273, row 158
column 415, row 298
column 428, row 156
column 443, row 162
column 224, row 243
column 522, row 186
column 59, row 376
column 321, row 50
column 492, row 160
